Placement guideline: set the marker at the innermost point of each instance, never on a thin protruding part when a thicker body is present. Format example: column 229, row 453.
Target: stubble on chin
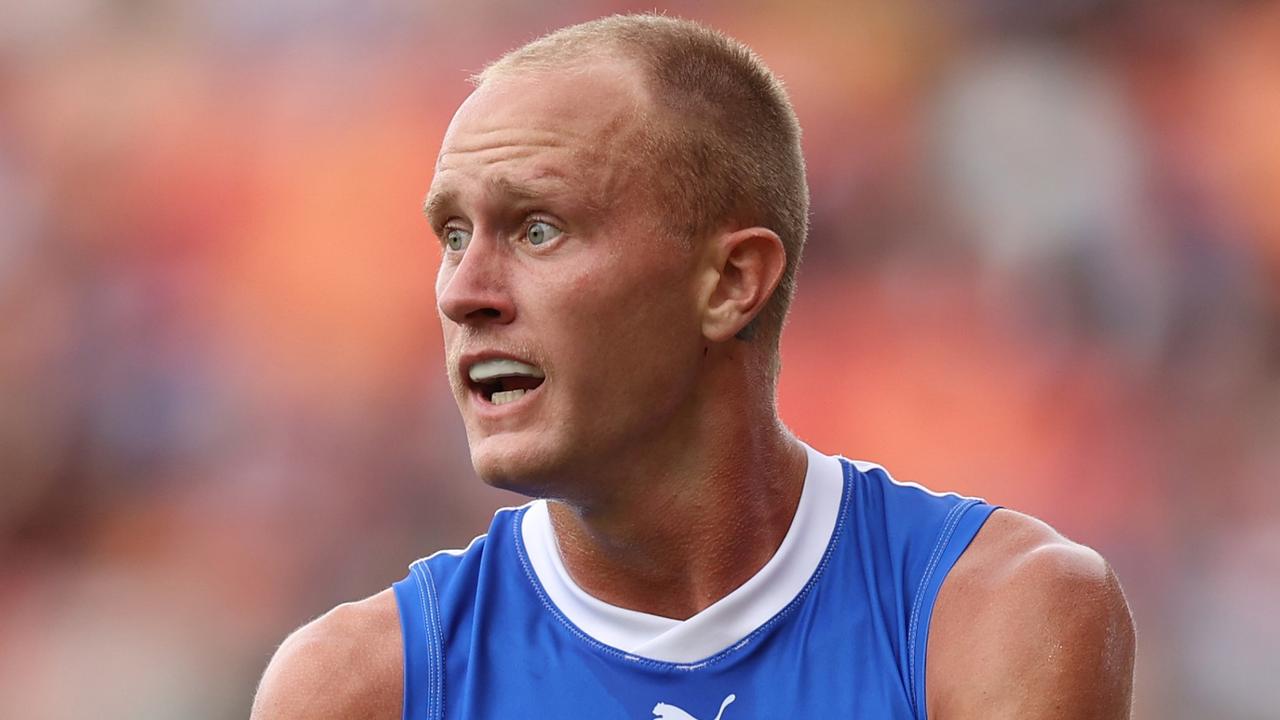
column 518, row 470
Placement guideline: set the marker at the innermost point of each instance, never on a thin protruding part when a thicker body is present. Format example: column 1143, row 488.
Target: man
column 622, row 206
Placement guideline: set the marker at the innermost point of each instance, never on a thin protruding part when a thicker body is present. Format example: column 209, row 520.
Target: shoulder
column 1029, row 624
column 348, row 663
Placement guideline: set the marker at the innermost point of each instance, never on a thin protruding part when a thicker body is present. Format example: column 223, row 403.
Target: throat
column 679, row 555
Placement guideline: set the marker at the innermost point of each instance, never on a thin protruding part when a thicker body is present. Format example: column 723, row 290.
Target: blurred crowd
column 1044, row 268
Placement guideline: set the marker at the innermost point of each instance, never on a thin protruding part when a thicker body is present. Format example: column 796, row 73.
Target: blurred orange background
column 1044, row 268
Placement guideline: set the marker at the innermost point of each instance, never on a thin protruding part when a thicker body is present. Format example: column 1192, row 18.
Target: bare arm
column 1029, row 625
column 347, row 663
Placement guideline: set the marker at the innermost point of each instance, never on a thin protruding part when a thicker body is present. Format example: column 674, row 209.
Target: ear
column 742, row 268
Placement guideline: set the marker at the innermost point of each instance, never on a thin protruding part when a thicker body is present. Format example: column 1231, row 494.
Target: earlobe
column 745, row 267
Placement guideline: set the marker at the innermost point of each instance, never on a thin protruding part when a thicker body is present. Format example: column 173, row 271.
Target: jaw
column 541, row 451
column 522, row 461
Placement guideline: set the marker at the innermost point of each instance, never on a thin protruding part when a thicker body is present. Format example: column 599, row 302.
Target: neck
column 694, row 519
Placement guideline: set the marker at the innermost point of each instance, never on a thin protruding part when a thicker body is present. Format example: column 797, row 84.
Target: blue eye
column 456, row 238
column 540, row 232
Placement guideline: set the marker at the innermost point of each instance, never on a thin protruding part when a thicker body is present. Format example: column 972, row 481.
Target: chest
column 816, row 662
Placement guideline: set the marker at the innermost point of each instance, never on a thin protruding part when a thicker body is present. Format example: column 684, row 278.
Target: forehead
column 541, row 127
column 576, row 103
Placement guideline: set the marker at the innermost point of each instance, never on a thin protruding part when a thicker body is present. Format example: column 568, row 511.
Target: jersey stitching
column 439, row 646
column 949, row 526
column 836, row 535
column 426, row 629
column 435, row 637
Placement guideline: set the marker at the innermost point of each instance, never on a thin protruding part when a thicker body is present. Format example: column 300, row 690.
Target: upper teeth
column 500, row 367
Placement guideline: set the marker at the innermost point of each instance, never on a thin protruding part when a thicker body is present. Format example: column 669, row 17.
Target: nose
column 475, row 290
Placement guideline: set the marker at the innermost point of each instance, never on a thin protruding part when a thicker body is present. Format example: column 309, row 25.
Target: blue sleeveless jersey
column 482, row 640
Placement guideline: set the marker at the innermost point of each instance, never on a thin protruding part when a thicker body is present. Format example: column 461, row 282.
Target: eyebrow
column 437, row 203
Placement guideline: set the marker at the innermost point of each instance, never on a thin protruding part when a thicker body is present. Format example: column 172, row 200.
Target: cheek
column 632, row 297
column 634, row 329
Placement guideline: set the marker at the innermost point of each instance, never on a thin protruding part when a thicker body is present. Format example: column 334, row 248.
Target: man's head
column 720, row 131
column 622, row 206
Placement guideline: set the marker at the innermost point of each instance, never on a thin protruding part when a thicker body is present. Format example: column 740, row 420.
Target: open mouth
column 502, row 380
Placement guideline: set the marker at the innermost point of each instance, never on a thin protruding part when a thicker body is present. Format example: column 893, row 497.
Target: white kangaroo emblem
column 663, row 711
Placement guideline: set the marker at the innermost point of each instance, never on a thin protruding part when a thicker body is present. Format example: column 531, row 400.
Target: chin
column 509, row 464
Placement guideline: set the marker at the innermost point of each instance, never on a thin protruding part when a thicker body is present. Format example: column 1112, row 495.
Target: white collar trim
column 724, row 623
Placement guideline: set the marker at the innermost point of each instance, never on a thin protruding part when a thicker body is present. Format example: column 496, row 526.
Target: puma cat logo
column 663, row 711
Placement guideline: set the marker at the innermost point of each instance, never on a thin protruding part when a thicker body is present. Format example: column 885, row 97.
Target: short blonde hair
column 728, row 141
